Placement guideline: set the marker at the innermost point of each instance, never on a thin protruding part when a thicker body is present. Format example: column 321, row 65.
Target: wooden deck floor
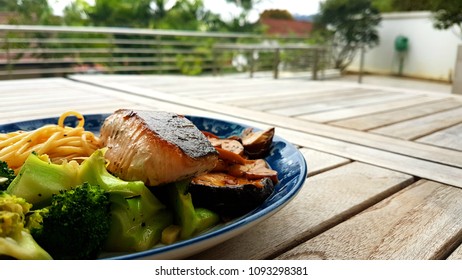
column 415, row 132
column 384, row 163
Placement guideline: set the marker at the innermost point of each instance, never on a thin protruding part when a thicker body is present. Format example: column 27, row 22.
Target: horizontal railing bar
column 104, row 50
column 136, row 31
column 153, row 41
column 114, row 69
column 98, row 59
column 265, row 47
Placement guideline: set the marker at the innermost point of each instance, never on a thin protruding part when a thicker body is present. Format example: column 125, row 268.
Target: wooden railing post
column 159, row 53
column 315, row 64
column 252, row 63
column 215, row 62
column 111, row 53
column 9, row 64
column 277, row 60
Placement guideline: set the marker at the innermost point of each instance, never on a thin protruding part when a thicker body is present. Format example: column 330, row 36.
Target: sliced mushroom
column 257, row 144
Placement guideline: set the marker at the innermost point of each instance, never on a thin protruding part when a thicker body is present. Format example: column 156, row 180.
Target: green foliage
column 6, row 175
column 190, row 64
column 447, row 13
column 351, row 26
column 75, row 225
column 247, row 5
column 125, row 13
column 16, row 241
column 385, row 6
column 276, row 14
column 30, row 12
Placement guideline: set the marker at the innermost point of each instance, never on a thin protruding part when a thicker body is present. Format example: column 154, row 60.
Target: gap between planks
column 426, row 158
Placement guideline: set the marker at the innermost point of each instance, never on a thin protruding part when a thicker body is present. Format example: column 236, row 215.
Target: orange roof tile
column 287, row 27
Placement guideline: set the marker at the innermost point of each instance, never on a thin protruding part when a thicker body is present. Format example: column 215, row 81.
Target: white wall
column 432, row 52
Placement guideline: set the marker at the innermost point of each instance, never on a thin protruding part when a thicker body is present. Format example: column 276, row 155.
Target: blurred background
column 314, row 38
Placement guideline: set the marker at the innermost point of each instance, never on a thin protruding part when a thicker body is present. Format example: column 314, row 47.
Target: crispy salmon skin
column 155, row 147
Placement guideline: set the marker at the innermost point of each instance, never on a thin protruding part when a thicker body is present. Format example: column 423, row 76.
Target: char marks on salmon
column 155, row 147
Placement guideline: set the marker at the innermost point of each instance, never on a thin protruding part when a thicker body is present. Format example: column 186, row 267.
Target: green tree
column 403, row 5
column 7, row 5
column 241, row 23
column 350, row 25
column 447, row 14
column 159, row 14
column 120, row 13
column 30, row 12
column 276, row 14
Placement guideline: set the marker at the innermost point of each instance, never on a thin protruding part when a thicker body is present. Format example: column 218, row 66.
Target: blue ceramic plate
column 284, row 158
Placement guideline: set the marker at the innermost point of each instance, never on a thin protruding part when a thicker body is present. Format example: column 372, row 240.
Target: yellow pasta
column 59, row 142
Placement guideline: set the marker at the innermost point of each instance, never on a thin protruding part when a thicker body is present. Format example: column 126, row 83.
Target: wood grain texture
column 446, row 138
column 346, row 113
column 419, row 222
column 394, row 116
column 319, row 162
column 353, row 101
column 420, row 127
column 41, row 98
column 314, row 100
column 324, row 201
column 457, row 254
column 410, row 157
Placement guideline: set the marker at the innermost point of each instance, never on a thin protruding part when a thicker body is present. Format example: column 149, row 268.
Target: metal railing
column 41, row 51
column 276, row 57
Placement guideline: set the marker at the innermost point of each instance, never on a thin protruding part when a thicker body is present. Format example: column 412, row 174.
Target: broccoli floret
column 15, row 240
column 137, row 216
column 6, row 175
column 75, row 225
column 39, row 179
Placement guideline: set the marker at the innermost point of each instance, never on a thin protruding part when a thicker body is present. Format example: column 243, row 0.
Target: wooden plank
column 59, row 95
column 420, row 222
column 265, row 96
column 307, row 101
column 391, row 117
column 345, row 113
column 325, row 200
column 410, row 157
column 336, row 104
column 406, row 164
column 319, row 162
column 457, row 254
column 447, row 138
column 416, row 128
column 246, row 98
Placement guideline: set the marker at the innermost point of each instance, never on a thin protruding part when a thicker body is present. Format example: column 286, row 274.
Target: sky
column 226, row 10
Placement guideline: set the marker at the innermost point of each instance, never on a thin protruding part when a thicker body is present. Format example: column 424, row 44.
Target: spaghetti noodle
column 59, row 142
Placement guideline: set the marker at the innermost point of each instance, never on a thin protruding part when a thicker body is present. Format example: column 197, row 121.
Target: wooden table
column 385, row 164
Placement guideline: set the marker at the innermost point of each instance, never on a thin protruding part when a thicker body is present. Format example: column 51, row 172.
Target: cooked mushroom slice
column 227, row 195
column 257, row 144
column 254, row 169
column 233, row 146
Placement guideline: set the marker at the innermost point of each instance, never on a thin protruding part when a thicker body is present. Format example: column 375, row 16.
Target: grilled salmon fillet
column 155, row 147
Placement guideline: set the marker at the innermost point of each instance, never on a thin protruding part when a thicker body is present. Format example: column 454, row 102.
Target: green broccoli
column 191, row 220
column 137, row 216
column 38, row 180
column 6, row 175
column 75, row 225
column 15, row 240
